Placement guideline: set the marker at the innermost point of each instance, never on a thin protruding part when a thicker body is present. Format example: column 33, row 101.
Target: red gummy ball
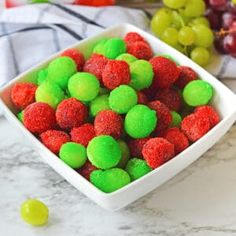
column 157, row 151
column 140, row 49
column 186, row 75
column 165, row 72
column 115, row 73
column 142, row 98
column 170, row 97
column 54, row 139
column 77, row 56
column 176, row 137
column 23, row 94
column 195, row 126
column 210, row 113
column 108, row 122
column 71, row 113
column 136, row 146
column 86, row 170
column 83, row 134
column 163, row 114
column 132, row 37
column 39, row 117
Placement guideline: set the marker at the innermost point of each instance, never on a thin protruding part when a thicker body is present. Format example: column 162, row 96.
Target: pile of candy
column 182, row 25
column 117, row 115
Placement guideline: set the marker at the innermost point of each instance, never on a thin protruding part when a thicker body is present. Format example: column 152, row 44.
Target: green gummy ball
column 60, row 70
column 34, row 212
column 197, row 93
column 127, row 58
column 73, row 154
column 122, row 99
column 99, row 46
column 137, row 168
column 42, row 76
column 176, row 119
column 140, row 121
column 100, row 103
column 104, row 152
column 141, row 74
column 113, row 48
column 125, row 153
column 49, row 93
column 20, row 116
column 83, row 86
column 109, row 180
column 169, row 57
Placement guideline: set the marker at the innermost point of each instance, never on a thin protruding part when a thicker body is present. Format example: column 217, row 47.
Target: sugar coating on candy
column 197, row 93
column 210, row 113
column 95, row 65
column 99, row 46
column 115, row 73
column 136, row 168
column 109, row 180
column 54, row 139
column 73, row 154
column 170, row 97
column 176, row 137
column 127, row 58
column 39, row 117
column 34, row 212
column 142, row 98
column 157, row 151
column 22, row 94
column 60, row 70
column 136, row 146
column 86, row 170
column 114, row 47
column 49, row 93
column 132, row 37
column 122, row 99
column 186, row 75
column 83, row 86
column 140, row 50
column 163, row 114
column 42, row 76
column 83, row 134
column 75, row 55
column 71, row 113
column 100, row 103
column 104, row 152
column 125, row 153
column 195, row 126
column 141, row 74
column 140, row 121
column 176, row 119
column 108, row 122
column 165, row 72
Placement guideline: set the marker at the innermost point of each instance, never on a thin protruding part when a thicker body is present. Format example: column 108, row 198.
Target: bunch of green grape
column 182, row 25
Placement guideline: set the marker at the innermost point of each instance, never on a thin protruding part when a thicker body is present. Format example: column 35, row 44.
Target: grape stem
column 223, row 32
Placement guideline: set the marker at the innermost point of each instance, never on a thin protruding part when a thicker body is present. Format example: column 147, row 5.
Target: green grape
column 34, row 212
column 186, row 19
column 234, row 2
column 160, row 21
column 175, row 4
column 180, row 48
column 204, row 36
column 194, row 8
column 177, row 21
column 170, row 36
column 186, row 36
column 200, row 21
column 200, row 55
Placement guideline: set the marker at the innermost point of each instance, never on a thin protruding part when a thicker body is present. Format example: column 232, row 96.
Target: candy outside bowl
column 224, row 101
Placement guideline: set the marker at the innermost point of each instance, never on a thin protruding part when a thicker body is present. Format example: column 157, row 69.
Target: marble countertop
column 199, row 201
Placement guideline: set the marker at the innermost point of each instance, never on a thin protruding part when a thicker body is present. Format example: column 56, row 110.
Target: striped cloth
column 30, row 33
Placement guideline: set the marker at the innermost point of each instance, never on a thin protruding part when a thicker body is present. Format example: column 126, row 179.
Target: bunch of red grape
column 222, row 17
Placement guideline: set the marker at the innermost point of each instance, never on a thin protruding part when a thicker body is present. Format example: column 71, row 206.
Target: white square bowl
column 224, row 101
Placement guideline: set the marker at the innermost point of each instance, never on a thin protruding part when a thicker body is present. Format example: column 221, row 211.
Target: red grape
column 231, row 7
column 227, row 20
column 230, row 44
column 214, row 18
column 219, row 44
column 218, row 5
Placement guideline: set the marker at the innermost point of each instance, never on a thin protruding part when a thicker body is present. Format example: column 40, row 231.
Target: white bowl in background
column 224, row 101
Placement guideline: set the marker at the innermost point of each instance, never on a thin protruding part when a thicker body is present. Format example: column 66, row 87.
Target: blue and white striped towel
column 30, row 33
